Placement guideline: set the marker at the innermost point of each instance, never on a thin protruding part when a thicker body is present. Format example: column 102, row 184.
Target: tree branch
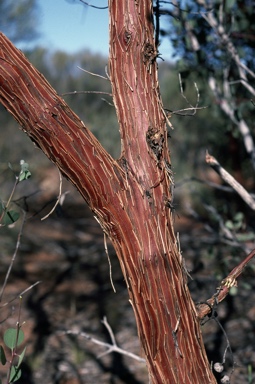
column 204, row 309
column 62, row 136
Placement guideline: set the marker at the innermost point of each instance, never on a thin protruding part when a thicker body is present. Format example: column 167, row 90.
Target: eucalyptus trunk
column 131, row 196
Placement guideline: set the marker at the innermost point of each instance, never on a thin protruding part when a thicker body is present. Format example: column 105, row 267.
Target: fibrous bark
column 131, row 197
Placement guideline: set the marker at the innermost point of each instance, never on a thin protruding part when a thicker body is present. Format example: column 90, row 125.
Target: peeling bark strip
column 130, row 196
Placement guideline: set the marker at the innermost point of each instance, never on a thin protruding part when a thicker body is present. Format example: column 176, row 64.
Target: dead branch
column 204, row 309
column 230, row 180
column 110, row 348
column 229, row 110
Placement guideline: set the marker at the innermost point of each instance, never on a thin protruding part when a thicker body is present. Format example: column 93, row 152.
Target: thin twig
column 109, row 261
column 108, row 102
column 109, row 329
column 21, row 293
column 92, row 6
column 106, row 72
column 223, row 188
column 110, row 347
column 93, row 74
column 185, row 98
column 81, row 92
column 191, row 108
column 58, row 199
column 178, row 111
column 12, row 192
column 14, row 255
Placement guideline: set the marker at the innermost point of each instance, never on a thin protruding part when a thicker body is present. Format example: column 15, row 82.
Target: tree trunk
column 131, row 197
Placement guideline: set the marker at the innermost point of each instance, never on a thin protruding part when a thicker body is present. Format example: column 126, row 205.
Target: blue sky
column 71, row 26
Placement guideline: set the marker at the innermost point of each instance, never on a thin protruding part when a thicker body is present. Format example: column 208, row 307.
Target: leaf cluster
column 9, row 216
column 13, row 338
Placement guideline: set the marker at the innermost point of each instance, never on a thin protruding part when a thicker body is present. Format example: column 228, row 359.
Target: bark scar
column 127, row 37
column 155, row 141
column 149, row 54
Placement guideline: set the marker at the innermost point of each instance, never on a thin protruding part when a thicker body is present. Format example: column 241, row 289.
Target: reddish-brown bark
column 131, row 196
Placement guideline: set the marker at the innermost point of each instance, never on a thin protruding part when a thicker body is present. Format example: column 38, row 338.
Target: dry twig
column 110, row 347
column 14, row 255
column 230, row 180
column 20, row 294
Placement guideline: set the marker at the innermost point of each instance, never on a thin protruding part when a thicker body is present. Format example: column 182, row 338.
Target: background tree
column 19, row 20
column 214, row 46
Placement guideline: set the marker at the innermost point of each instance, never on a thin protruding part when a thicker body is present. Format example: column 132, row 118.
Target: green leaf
column 233, row 291
column 2, row 356
column 15, row 374
column 230, row 4
column 24, row 173
column 239, row 216
column 21, row 356
column 229, row 224
column 10, row 217
column 249, row 236
column 10, row 337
